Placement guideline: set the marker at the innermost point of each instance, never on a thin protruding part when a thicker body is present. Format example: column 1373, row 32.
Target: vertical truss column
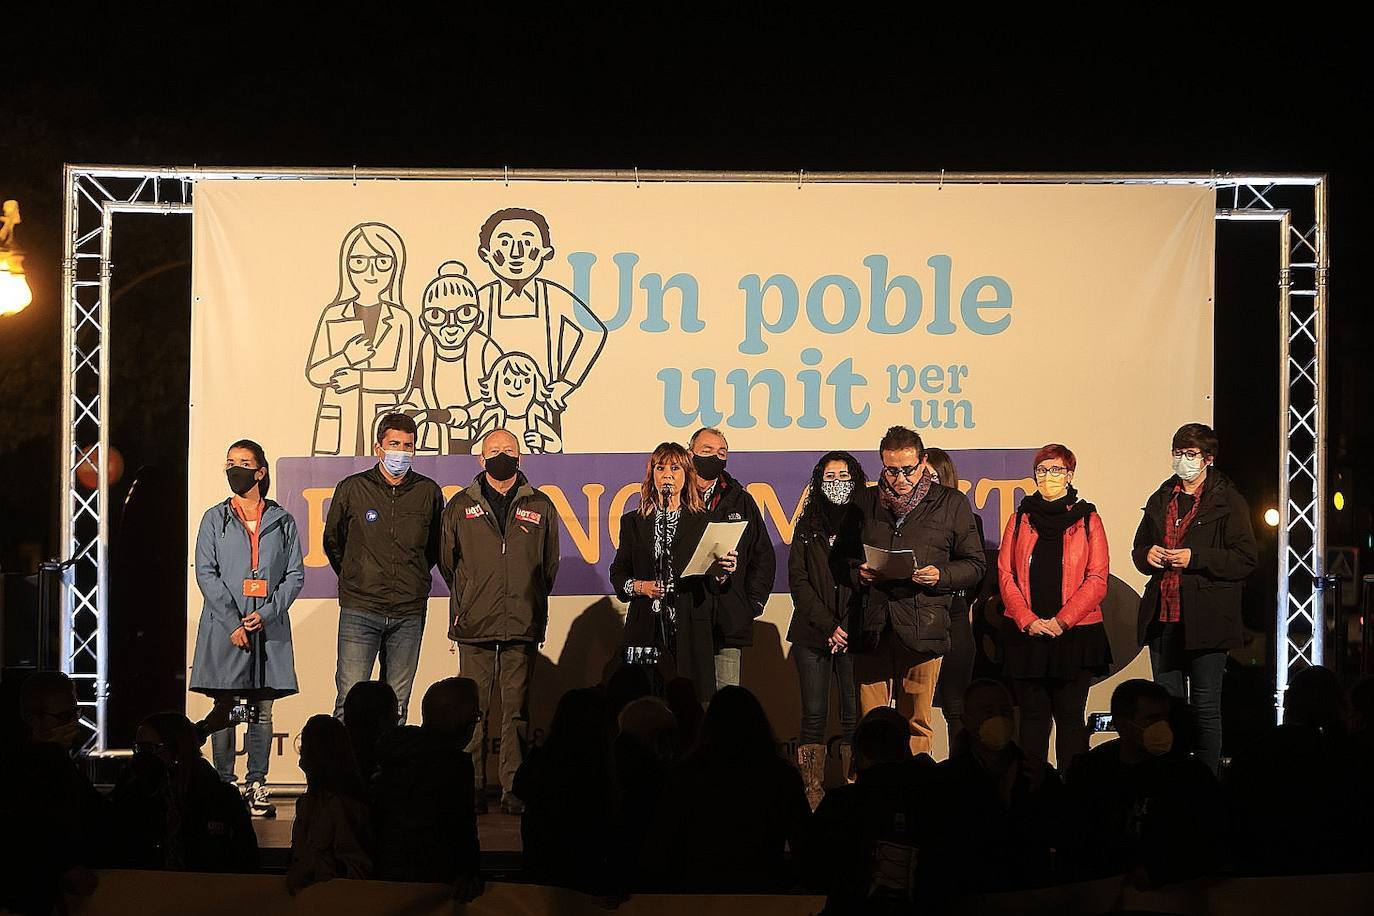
column 91, row 198
column 1300, row 621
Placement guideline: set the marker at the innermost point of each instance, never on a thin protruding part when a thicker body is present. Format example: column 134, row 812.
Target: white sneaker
column 258, row 803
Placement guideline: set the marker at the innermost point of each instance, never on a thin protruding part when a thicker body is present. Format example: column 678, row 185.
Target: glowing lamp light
column 1338, row 500
column 1271, row 517
column 15, row 294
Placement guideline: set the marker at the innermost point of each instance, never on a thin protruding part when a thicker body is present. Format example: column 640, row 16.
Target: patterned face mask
column 837, row 491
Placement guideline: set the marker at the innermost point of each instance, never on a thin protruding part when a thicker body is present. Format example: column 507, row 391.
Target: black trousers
column 956, row 673
column 1050, row 700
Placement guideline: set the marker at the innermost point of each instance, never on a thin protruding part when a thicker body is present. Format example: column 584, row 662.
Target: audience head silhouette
column 450, row 708
column 1140, row 714
column 987, row 715
column 327, row 757
column 883, row 736
column 1314, row 698
column 735, row 729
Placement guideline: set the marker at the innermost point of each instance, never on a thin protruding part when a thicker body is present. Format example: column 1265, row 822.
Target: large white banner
column 993, row 319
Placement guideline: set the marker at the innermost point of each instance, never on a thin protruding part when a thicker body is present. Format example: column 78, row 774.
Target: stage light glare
column 1338, row 500
column 15, row 294
column 1271, row 517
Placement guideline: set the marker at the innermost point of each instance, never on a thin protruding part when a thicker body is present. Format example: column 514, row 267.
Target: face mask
column 1158, row 738
column 397, row 463
column 709, row 467
column 1052, row 489
column 64, row 736
column 502, row 467
column 241, row 480
column 837, row 491
column 995, row 733
column 1188, row 468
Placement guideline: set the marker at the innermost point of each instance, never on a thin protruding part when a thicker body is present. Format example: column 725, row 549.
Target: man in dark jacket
column 499, row 554
column 998, row 817
column 746, row 591
column 422, row 810
column 382, row 538
column 866, row 847
column 1136, row 805
column 1196, row 545
column 906, row 620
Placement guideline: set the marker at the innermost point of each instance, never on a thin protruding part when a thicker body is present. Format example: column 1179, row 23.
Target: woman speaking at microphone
column 669, row 616
column 249, row 569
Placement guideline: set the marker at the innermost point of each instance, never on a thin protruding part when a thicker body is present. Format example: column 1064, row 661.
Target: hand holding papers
column 889, row 564
column 719, row 539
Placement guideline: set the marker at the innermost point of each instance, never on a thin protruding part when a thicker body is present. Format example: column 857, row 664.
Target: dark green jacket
column 499, row 584
column 383, row 540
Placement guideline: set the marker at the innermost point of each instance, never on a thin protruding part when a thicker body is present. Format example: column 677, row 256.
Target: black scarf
column 1052, row 519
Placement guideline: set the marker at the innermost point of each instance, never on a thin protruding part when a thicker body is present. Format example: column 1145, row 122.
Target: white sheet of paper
column 890, row 564
column 719, row 539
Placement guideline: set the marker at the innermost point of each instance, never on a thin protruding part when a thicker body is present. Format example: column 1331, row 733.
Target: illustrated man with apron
column 525, row 313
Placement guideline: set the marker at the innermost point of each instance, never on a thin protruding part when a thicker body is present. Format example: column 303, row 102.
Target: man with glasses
column 1196, row 544
column 906, row 621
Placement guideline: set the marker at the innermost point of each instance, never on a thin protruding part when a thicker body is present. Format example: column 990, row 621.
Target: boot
column 811, row 762
column 847, row 763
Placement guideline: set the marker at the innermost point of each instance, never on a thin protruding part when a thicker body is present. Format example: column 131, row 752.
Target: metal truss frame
column 94, row 194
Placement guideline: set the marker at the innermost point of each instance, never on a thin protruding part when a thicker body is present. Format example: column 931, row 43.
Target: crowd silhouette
column 633, row 792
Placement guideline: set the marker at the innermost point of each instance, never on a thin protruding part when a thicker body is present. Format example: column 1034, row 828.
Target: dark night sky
column 711, row 92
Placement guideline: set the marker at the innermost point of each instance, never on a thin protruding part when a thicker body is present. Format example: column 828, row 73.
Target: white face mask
column 1188, row 468
column 837, row 491
column 1158, row 738
column 995, row 733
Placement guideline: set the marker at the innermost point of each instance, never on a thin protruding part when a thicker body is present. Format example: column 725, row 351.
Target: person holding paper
column 1052, row 570
column 669, row 617
column 825, row 611
column 906, row 621
column 249, row 569
column 736, row 607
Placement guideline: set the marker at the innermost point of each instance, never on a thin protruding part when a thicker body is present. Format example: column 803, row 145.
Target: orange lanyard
column 252, row 530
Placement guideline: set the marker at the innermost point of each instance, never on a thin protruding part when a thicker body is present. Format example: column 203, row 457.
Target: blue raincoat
column 223, row 561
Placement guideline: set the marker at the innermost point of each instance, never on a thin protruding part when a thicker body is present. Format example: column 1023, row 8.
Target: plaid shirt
column 1170, row 603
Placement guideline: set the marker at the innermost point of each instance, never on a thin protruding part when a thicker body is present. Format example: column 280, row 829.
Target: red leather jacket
column 1086, row 565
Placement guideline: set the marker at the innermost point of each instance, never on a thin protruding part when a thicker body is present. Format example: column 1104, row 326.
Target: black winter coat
column 748, row 588
column 383, row 540
column 1224, row 553
column 499, row 582
column 634, row 559
column 942, row 533
column 818, row 578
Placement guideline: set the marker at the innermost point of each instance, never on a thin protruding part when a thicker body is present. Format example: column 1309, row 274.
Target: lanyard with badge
column 253, row 587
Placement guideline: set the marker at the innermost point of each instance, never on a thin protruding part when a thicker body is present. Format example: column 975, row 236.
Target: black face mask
column 709, row 467
column 241, row 480
column 502, row 467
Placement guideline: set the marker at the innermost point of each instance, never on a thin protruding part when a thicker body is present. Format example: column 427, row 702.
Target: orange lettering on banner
column 1006, row 490
column 617, row 509
column 965, row 486
column 588, row 540
column 450, row 490
column 314, row 508
column 768, row 501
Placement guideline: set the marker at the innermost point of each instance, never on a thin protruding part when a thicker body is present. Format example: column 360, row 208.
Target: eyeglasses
column 1186, row 453
column 1056, row 472
column 906, row 470
column 62, row 716
column 459, row 315
column 380, row 262
column 150, row 747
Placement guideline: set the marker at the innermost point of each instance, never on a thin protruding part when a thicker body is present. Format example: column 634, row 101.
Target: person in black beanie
column 1052, row 570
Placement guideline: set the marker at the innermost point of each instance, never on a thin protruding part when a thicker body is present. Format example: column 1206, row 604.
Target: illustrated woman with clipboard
column 363, row 351
column 249, row 569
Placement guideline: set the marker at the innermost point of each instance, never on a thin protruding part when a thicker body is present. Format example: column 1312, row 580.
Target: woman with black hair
column 249, row 569
column 824, row 608
column 332, row 832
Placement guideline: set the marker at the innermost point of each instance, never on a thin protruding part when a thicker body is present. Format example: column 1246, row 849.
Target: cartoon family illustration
column 508, row 354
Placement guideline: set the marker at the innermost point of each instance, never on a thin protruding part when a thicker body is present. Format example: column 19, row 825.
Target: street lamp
column 15, row 294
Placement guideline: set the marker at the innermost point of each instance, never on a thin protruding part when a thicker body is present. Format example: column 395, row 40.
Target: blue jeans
column 363, row 637
column 813, row 671
column 1194, row 677
column 727, row 668
column 258, row 747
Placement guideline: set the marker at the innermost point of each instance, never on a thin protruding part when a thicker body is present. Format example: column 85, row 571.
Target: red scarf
column 899, row 505
column 1170, row 603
